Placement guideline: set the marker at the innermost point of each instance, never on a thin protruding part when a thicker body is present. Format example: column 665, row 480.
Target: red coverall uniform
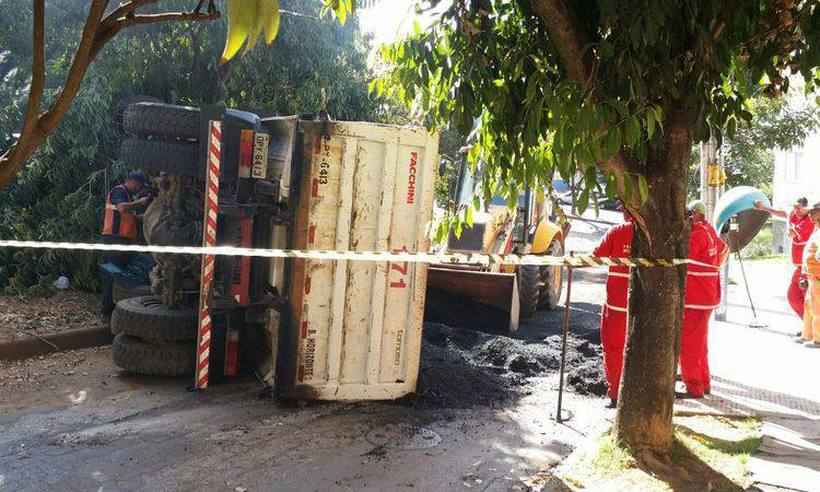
column 802, row 229
column 616, row 244
column 702, row 297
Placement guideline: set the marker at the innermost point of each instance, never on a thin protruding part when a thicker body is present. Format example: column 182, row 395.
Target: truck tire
column 120, row 291
column 141, row 357
column 529, row 290
column 124, row 104
column 552, row 280
column 147, row 318
column 151, row 119
column 156, row 156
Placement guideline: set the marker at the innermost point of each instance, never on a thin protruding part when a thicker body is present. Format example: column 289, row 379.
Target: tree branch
column 82, row 58
column 38, row 70
column 38, row 76
column 98, row 30
column 569, row 40
column 572, row 43
column 125, row 9
column 115, row 26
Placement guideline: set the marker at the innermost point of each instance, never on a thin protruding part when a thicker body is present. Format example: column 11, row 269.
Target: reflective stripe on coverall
column 803, row 227
column 702, row 297
column 811, row 265
column 617, row 243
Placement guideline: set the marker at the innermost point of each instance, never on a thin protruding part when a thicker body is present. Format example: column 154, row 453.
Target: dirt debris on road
column 25, row 317
column 62, row 378
column 480, row 418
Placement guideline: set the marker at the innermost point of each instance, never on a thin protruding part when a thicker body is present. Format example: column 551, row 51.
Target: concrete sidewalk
column 764, row 373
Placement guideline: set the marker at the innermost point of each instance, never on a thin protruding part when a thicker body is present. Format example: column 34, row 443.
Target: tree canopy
column 616, row 88
column 599, row 102
column 60, row 192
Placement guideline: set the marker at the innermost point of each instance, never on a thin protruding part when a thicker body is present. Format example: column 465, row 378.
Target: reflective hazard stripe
column 619, row 274
column 703, row 274
column 616, row 308
column 800, row 244
column 700, row 307
column 211, row 212
column 109, row 206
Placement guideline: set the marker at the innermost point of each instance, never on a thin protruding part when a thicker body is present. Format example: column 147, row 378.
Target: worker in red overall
column 801, row 228
column 702, row 297
column 617, row 243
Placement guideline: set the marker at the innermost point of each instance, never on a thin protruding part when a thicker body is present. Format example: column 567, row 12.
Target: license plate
column 260, row 156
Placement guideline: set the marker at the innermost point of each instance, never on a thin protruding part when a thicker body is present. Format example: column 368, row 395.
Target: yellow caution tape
column 579, row 261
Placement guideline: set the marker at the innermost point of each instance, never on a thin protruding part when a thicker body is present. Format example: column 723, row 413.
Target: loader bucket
column 497, row 290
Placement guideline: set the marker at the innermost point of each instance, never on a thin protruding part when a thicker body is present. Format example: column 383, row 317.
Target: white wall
column 796, row 174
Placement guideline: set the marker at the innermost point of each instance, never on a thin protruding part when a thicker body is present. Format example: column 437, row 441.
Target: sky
column 391, row 20
column 388, row 20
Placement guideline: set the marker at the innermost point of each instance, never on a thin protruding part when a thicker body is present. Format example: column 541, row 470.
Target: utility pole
column 712, row 181
column 711, row 185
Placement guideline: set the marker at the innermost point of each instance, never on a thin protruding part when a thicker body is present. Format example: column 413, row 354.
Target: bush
column 762, row 246
column 59, row 196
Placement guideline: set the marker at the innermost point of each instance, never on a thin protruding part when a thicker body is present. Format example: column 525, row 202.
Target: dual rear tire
column 163, row 138
column 153, row 339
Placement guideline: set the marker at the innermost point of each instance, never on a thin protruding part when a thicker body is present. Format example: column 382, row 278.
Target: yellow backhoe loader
column 529, row 228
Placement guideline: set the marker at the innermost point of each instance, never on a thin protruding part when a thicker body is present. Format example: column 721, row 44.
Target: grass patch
column 723, row 444
column 611, row 458
column 710, row 453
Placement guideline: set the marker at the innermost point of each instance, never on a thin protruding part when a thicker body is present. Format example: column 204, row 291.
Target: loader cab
column 498, row 228
column 526, row 229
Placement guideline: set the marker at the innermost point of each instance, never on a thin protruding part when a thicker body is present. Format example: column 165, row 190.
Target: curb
column 69, row 340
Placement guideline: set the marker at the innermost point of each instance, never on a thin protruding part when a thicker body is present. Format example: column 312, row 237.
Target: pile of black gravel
column 462, row 368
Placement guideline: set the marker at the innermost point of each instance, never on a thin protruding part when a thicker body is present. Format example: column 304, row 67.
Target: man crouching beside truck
column 811, row 267
column 120, row 223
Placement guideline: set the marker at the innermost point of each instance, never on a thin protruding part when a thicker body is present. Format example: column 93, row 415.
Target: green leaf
column 441, row 231
column 643, row 187
column 731, row 127
column 512, row 200
column 627, row 196
column 612, row 144
column 650, row 124
column 633, row 132
column 582, row 202
column 659, row 116
column 611, row 188
column 468, row 216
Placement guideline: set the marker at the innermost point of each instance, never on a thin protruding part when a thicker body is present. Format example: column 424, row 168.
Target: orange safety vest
column 811, row 256
column 118, row 224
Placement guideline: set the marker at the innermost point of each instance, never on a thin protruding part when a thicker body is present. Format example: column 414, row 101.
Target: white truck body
column 354, row 331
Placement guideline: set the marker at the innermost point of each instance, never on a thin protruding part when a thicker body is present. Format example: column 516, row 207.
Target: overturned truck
column 310, row 328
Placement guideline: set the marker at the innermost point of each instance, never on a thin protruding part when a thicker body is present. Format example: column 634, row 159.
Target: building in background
column 796, row 174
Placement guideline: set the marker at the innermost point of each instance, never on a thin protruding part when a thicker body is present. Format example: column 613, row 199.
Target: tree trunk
column 644, row 419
